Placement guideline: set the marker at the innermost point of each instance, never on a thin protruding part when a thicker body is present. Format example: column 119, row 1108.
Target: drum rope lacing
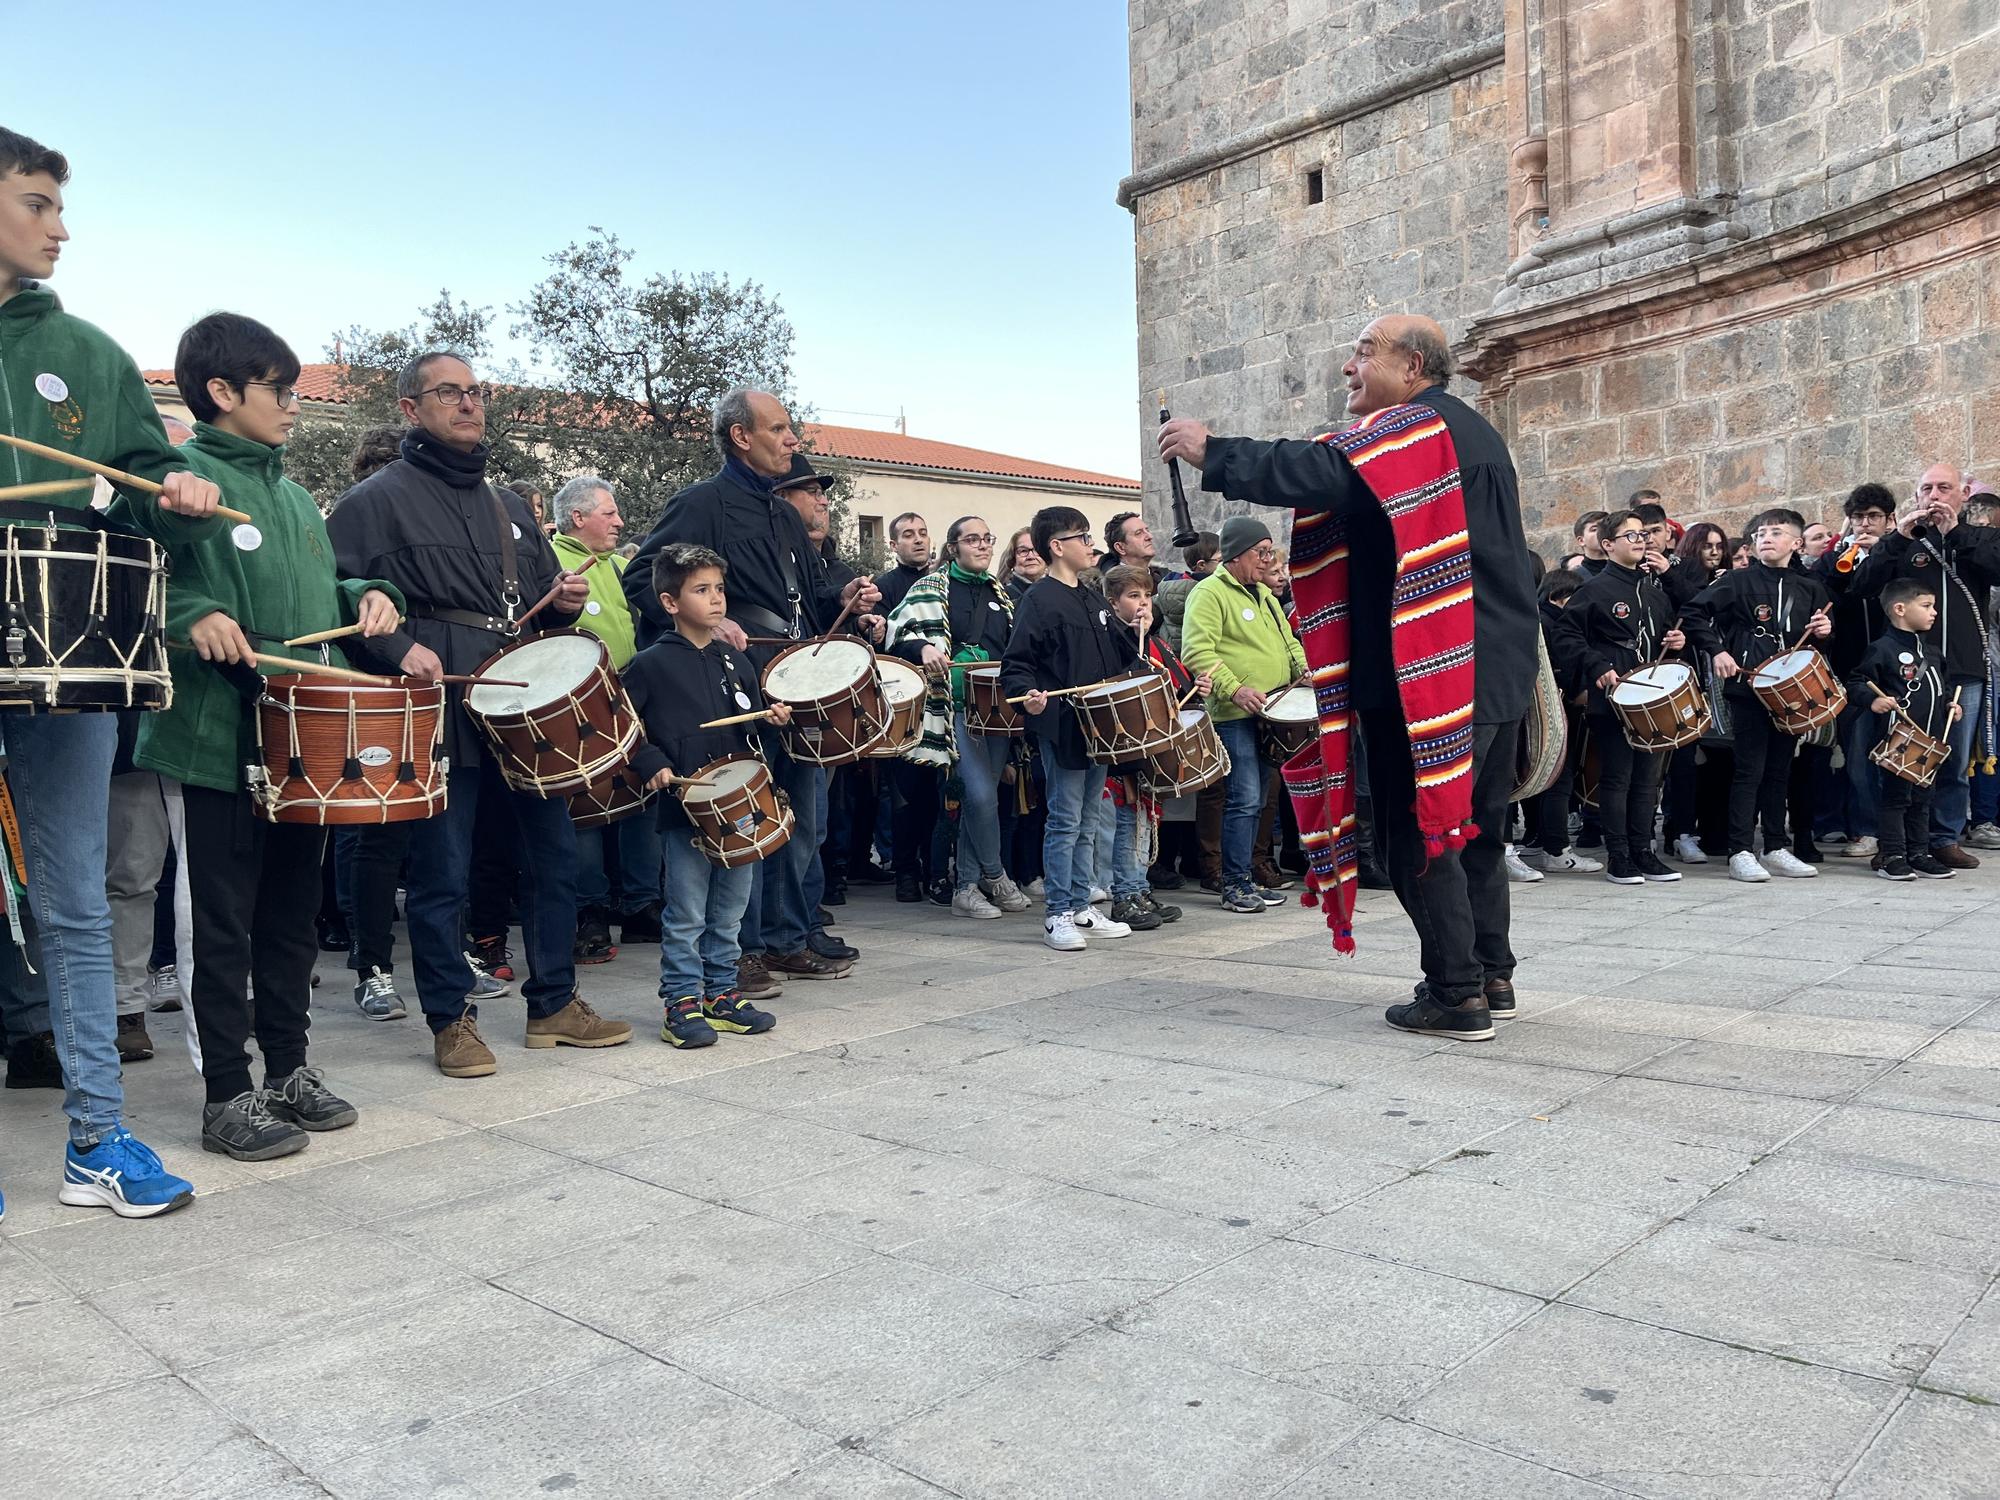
column 49, row 679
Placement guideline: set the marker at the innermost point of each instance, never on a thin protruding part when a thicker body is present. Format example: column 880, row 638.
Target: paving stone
column 1062, row 1140
column 720, row 1166
column 896, row 1197
column 1969, row 1363
column 1082, row 1250
column 1587, row 1048
column 1050, row 1070
column 1367, row 1331
column 1924, row 1009
column 1897, row 1141
column 1527, row 1242
column 1643, row 1017
column 1692, row 1114
column 871, row 1344
column 1831, row 1307
column 1801, row 1198
column 782, row 1082
column 322, row 1398
column 1975, row 980
column 25, row 1282
column 851, row 1476
column 1271, row 1185
column 705, row 1266
column 57, row 1350
column 916, row 1109
column 1934, row 1448
column 1377, row 1125
column 1766, row 1070
column 1659, row 1413
column 1972, row 1092
column 591, row 1433
column 1395, row 1458
column 1572, row 1161
column 625, row 1123
column 540, row 1088
column 1460, row 1079
column 1205, row 1097
column 1963, row 1049
column 1833, row 1035
column 423, row 1176
column 1137, row 1418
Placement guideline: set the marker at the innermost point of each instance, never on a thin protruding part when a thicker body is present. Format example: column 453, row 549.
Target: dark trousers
column 1904, row 818
column 1456, row 901
column 1628, row 790
column 1545, row 819
column 1763, row 771
column 916, row 816
column 258, row 888
column 440, row 853
column 496, row 856
column 1208, row 805
column 1806, row 790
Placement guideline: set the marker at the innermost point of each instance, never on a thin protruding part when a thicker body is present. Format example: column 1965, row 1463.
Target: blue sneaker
column 685, row 1025
column 731, row 1012
column 122, row 1174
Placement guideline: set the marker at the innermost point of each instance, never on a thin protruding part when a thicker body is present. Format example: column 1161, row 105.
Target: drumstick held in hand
column 846, row 610
column 1808, row 630
column 116, row 476
column 317, row 636
column 1060, row 692
column 482, row 681
column 543, row 602
column 762, row 713
column 45, row 487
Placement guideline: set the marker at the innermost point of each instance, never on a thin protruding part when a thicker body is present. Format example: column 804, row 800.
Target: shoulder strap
column 510, row 563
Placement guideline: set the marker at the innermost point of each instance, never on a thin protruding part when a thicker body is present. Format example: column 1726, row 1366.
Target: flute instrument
column 116, row 476
column 1184, row 533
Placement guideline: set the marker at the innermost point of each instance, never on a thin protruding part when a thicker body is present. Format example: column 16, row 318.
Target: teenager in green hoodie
column 254, row 885
column 65, row 384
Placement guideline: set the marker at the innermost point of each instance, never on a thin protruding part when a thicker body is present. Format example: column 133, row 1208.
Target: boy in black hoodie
column 1743, row 619
column 683, row 680
column 1902, row 671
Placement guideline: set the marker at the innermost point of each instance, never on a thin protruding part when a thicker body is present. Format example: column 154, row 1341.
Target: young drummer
column 1902, row 673
column 64, row 384
column 1621, row 618
column 1062, row 638
column 683, row 680
column 1743, row 619
column 258, row 883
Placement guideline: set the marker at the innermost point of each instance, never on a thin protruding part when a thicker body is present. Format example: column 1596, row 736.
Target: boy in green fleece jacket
column 256, row 885
column 63, row 383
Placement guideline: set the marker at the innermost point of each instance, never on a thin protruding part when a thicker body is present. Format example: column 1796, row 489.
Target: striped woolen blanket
column 1405, row 459
column 925, row 615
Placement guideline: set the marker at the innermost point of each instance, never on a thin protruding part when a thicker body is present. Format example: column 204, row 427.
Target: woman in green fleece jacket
column 254, row 886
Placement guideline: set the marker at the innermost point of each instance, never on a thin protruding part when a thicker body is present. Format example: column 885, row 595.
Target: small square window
column 1315, row 185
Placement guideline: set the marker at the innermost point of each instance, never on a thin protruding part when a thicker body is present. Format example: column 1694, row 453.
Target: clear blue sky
column 926, row 187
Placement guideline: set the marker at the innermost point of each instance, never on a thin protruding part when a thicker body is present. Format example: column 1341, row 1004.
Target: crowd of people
column 156, row 875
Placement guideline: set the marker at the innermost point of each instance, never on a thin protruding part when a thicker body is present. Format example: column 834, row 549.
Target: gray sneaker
column 1242, row 899
column 1003, row 893
column 484, row 985
column 303, row 1098
column 376, row 996
column 246, row 1129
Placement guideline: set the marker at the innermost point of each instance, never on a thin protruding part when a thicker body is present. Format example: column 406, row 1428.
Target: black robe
column 1064, row 636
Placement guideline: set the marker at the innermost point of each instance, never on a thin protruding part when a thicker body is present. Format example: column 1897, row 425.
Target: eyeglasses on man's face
column 452, row 395
column 283, row 394
column 1071, row 536
column 1629, row 536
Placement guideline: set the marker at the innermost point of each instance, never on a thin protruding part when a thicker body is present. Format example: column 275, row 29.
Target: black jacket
column 1064, row 636
column 1612, row 623
column 976, row 615
column 1857, row 615
column 675, row 688
column 439, row 542
column 764, row 542
column 1754, row 614
column 1970, row 552
column 1308, row 476
column 1907, row 668
column 895, row 583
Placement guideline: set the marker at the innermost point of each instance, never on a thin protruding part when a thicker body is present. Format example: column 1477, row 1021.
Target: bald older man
column 1456, row 898
column 1960, row 563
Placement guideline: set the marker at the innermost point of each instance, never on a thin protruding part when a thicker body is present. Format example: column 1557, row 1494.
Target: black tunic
column 1613, row 623
column 1309, row 477
column 1064, row 636
column 1972, row 553
column 895, row 583
column 1754, row 614
column 677, row 687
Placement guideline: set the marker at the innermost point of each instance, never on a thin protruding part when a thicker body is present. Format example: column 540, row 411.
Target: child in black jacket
column 1902, row 673
column 1743, row 619
column 683, row 680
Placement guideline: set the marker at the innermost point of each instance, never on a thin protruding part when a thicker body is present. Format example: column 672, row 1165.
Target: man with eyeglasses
column 470, row 560
column 1438, row 666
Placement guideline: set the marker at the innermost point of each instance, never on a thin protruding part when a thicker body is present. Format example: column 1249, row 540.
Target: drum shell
column 1279, row 739
column 1801, row 702
column 609, row 799
column 1191, row 759
column 1908, row 752
column 82, row 662
column 1667, row 721
column 987, row 710
column 906, row 718
column 837, row 727
column 561, row 746
column 1126, row 720
column 332, row 718
column 718, row 819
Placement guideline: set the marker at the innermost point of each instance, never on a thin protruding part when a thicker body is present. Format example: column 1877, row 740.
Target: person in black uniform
column 1901, row 672
column 1620, row 618
column 1458, row 902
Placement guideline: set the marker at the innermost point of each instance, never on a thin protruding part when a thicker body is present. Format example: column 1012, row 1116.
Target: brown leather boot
column 576, row 1025
column 462, row 1052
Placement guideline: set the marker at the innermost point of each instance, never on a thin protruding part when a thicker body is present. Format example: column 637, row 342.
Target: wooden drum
column 572, row 725
column 839, row 712
column 335, row 752
column 738, row 816
column 1908, row 752
column 1192, row 758
column 987, row 710
column 1800, row 690
column 1661, row 706
column 1128, row 719
column 903, row 693
column 1287, row 723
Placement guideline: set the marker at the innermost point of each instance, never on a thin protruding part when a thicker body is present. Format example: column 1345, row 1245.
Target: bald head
column 1397, row 356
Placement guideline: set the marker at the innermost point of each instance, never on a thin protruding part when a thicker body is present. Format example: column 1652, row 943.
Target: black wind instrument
column 1184, row 532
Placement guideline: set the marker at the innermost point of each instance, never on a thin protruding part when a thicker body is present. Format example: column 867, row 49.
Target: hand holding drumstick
column 779, row 714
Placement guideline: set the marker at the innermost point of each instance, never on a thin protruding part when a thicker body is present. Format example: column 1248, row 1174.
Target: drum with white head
column 1287, row 723
column 839, row 711
column 571, row 725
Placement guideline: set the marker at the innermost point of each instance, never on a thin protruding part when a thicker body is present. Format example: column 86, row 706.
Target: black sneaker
column 641, row 926
column 1243, row 901
column 593, row 938
column 941, row 891
column 32, row 1063
column 1134, row 914
column 836, row 893
column 333, row 934
column 246, row 1129
column 685, row 1026
column 1654, row 868
column 1500, row 999
column 1893, row 867
column 135, row 1043
column 1212, row 885
column 1619, row 869
column 1808, row 851
column 1160, row 909
column 869, row 873
column 1162, row 879
column 909, row 888
column 1930, row 867
column 302, row 1097
column 1469, row 1021
column 494, row 957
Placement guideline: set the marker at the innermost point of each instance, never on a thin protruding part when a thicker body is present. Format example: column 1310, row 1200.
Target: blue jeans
column 440, row 871
column 635, row 844
column 1864, row 782
column 1128, row 867
column 1066, row 879
column 1245, row 801
column 1104, row 841
column 700, row 920
column 1951, row 795
column 59, row 770
column 788, row 886
column 981, row 760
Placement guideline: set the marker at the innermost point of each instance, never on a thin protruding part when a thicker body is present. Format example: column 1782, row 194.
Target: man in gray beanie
column 1235, row 630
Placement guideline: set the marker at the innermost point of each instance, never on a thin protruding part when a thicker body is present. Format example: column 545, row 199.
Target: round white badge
column 517, row 531
column 1249, row 614
column 374, row 755
column 994, row 605
column 51, row 387
column 1104, row 617
column 246, row 537
column 1904, row 657
column 742, row 699
column 593, row 608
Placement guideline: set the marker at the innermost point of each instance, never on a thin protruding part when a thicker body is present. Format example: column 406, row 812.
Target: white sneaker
column 1864, row 847
column 164, row 988
column 1060, row 933
column 1095, row 923
column 1744, row 866
column 1035, row 890
column 1518, row 872
column 1687, row 849
column 970, row 902
column 1784, row 862
column 1099, row 895
column 1003, row 893
column 1983, row 836
column 1570, row 860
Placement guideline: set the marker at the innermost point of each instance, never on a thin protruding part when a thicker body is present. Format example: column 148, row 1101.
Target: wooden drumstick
column 1192, row 694
column 1808, row 630
column 285, row 665
column 762, row 713
column 841, row 620
column 116, row 476
column 482, row 681
column 1061, row 692
column 45, row 487
column 543, row 602
column 324, row 635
